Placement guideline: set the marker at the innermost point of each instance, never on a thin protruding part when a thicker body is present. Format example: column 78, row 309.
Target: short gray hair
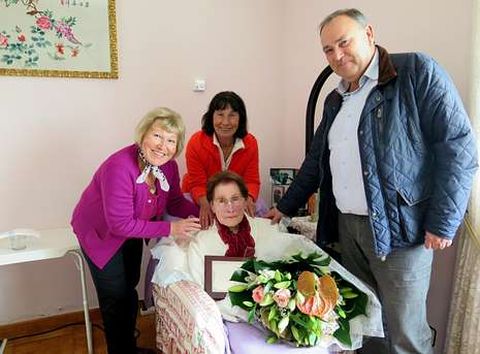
column 169, row 120
column 354, row 14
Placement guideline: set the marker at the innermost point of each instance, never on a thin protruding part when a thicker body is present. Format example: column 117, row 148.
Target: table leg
column 3, row 344
column 88, row 324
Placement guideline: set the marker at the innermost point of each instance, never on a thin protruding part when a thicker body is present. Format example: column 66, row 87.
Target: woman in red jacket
column 223, row 144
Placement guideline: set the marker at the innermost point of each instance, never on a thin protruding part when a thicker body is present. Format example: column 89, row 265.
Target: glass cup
column 18, row 242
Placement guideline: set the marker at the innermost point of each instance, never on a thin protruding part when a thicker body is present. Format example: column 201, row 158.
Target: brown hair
column 225, row 177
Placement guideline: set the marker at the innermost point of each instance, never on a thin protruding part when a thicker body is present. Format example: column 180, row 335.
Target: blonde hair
column 168, row 119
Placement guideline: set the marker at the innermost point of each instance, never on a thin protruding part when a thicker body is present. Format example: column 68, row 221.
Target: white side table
column 52, row 243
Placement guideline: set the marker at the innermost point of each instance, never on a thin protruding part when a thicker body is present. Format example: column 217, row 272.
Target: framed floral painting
column 58, row 38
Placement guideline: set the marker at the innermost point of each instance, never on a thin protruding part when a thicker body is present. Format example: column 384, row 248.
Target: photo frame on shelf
column 218, row 270
column 280, row 180
column 277, row 193
column 282, row 176
column 58, row 38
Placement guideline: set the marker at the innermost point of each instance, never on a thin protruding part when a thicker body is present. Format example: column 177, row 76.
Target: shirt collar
column 238, row 144
column 370, row 74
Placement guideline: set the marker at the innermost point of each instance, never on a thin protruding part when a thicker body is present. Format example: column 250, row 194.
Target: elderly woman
column 223, row 144
column 124, row 204
column 233, row 234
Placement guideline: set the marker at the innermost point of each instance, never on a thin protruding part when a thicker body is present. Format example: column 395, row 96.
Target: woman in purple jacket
column 124, row 204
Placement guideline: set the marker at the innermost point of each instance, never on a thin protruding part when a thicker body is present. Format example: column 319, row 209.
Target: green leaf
column 267, row 300
column 248, row 303
column 283, row 324
column 349, row 295
column 282, row 285
column 273, row 326
column 238, row 288
column 273, row 312
column 239, row 275
column 278, row 276
column 251, row 315
column 237, row 299
column 272, row 339
column 343, row 333
column 291, row 304
column 300, row 298
column 296, row 334
column 267, row 287
column 312, row 339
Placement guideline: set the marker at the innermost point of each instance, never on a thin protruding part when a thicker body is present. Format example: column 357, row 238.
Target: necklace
column 227, row 150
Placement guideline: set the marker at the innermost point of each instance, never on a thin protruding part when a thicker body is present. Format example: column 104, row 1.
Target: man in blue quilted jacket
column 394, row 158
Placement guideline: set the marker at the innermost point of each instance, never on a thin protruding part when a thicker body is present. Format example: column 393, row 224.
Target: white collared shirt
column 236, row 146
column 347, row 179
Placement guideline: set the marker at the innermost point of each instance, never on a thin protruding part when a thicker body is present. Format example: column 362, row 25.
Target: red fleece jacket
column 203, row 161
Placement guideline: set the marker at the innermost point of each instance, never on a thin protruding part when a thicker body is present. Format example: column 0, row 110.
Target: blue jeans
column 117, row 296
column 401, row 282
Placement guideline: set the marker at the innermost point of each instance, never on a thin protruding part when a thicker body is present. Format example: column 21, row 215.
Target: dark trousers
column 117, row 296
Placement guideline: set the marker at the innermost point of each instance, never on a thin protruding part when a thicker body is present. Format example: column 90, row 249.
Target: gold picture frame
column 58, row 38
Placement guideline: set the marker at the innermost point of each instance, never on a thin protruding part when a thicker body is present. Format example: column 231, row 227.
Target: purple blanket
column 246, row 339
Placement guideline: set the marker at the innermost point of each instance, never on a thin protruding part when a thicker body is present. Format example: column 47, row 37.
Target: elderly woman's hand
column 251, row 207
column 183, row 229
column 206, row 213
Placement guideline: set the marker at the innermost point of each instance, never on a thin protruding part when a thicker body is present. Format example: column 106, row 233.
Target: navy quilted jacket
column 418, row 156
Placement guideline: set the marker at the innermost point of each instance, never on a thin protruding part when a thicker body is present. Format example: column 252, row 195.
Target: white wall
column 56, row 131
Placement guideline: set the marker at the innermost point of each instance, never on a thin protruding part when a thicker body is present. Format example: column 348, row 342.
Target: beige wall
column 55, row 132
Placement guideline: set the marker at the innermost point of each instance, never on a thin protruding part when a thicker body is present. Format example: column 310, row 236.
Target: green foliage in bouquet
column 299, row 299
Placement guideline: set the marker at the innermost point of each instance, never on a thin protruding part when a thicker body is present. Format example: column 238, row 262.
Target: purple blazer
column 114, row 207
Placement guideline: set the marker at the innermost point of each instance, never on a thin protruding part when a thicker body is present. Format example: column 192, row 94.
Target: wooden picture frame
column 218, row 271
column 58, row 38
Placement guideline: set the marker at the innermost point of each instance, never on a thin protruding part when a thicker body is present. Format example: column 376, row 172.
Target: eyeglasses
column 235, row 202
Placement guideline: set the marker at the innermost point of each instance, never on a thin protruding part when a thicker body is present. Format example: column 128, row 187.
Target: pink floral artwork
column 53, row 37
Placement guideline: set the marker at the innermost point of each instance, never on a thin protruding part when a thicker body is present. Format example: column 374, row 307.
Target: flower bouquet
column 299, row 300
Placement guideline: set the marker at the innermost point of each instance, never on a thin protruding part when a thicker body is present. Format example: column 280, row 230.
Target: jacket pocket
column 411, row 214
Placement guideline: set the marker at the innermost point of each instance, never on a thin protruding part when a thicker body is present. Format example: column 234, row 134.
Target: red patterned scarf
column 241, row 243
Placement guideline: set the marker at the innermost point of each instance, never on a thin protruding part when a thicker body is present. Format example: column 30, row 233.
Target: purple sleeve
column 177, row 204
column 118, row 188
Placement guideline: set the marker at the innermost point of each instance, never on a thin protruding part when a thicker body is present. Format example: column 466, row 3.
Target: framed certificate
column 218, row 270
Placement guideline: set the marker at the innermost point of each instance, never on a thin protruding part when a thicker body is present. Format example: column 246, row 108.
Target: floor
column 72, row 340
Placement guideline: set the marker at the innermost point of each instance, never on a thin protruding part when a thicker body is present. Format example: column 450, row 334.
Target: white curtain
column 464, row 321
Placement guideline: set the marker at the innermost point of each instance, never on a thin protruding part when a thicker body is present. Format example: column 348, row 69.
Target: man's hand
column 275, row 215
column 436, row 242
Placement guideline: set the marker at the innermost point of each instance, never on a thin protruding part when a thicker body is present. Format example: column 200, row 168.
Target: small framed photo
column 218, row 271
column 282, row 176
column 277, row 193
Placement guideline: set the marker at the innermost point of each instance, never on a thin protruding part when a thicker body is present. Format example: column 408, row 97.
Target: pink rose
column 257, row 294
column 44, row 23
column 281, row 297
column 3, row 41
